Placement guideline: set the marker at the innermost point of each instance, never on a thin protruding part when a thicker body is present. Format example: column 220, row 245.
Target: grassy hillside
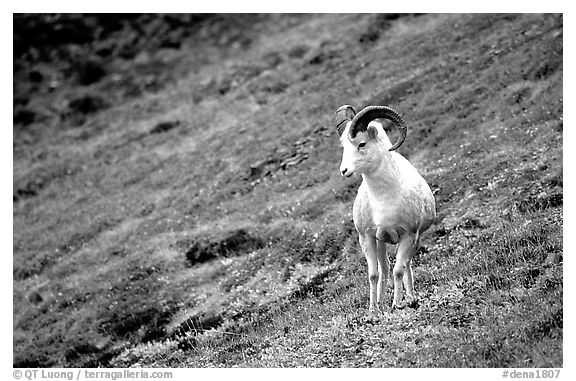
column 177, row 199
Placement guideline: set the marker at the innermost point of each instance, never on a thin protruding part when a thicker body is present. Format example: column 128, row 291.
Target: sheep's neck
column 384, row 182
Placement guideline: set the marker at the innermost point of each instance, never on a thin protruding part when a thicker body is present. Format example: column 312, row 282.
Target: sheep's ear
column 372, row 132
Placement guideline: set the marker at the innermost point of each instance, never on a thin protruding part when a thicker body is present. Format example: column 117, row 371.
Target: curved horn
column 343, row 115
column 368, row 114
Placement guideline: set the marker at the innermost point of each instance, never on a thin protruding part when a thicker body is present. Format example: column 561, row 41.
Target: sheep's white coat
column 394, row 205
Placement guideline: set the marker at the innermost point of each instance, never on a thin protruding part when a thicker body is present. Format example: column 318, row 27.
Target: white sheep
column 394, row 203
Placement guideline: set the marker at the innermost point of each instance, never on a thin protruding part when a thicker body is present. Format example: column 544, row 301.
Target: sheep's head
column 359, row 136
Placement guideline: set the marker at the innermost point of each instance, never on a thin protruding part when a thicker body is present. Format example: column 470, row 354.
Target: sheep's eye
column 361, row 145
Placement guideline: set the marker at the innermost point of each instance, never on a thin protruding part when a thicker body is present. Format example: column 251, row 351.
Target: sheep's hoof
column 384, row 308
column 374, row 312
column 412, row 303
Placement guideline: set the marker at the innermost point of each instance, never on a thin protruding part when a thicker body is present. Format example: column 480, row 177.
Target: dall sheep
column 394, row 203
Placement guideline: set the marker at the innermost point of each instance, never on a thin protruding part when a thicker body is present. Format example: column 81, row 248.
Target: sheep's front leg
column 403, row 271
column 368, row 245
column 383, row 273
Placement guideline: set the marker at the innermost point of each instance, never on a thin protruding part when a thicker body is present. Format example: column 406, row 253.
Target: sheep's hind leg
column 403, row 272
column 368, row 245
column 411, row 299
column 383, row 273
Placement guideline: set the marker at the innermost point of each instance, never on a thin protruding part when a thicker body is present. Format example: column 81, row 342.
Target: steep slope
column 203, row 222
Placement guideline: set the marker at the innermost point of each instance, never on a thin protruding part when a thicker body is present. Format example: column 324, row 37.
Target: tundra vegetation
column 177, row 199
